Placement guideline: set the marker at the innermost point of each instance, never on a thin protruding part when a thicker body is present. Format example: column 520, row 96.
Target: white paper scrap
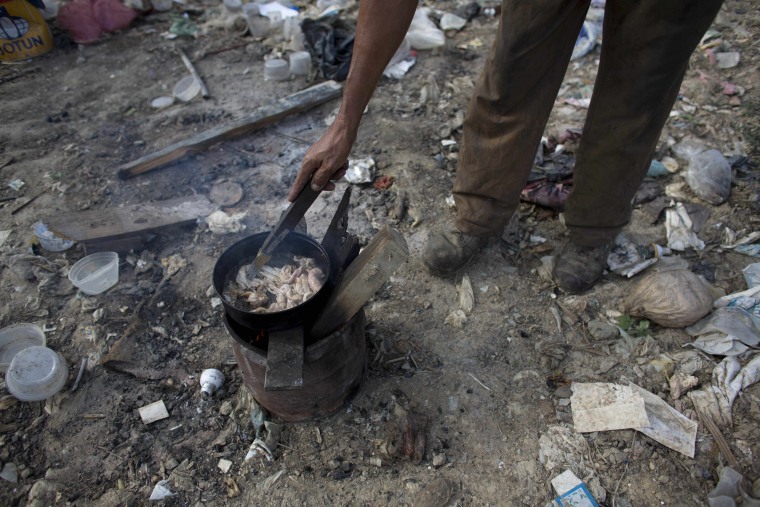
column 153, row 412
column 603, row 406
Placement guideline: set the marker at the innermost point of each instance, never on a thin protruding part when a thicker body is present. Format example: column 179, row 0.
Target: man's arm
column 380, row 29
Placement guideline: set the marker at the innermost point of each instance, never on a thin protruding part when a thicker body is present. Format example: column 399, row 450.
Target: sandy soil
column 488, row 391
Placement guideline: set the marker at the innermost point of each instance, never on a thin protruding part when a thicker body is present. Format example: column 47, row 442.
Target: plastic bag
column 423, row 34
column 709, row 176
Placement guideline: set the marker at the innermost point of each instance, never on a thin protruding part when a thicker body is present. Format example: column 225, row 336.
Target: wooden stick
column 262, row 117
column 194, row 72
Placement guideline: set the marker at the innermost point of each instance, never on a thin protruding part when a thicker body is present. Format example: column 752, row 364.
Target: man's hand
column 327, row 159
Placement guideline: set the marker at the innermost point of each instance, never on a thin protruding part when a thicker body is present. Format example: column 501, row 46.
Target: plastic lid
column 161, row 102
column 15, row 338
column 36, row 373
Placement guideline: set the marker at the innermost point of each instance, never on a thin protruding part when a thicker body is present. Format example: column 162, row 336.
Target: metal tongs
column 288, row 221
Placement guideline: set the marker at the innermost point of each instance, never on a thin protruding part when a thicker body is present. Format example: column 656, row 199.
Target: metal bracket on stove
column 341, row 246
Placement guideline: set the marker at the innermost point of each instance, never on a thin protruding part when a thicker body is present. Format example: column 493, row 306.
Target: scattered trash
column 211, row 380
column 451, row 21
column 269, row 481
column 361, row 170
column 466, row 295
column 628, row 259
column 709, row 176
column 276, row 11
column 4, row 236
column 9, row 473
column 95, row 273
column 220, row 222
column 50, row 241
column 182, row 26
column 450, row 202
column 726, row 332
column 383, row 182
column 751, row 275
column 36, row 373
column 24, row 26
column 300, row 63
column 586, row 40
column 604, row 406
column 423, row 34
column 156, row 411
column 550, row 192
column 727, row 60
column 456, row 318
column 267, row 446
column 16, row 184
column 438, row 492
column 186, row 89
column 571, row 491
column 17, row 337
column 331, row 44
column 679, row 230
column 657, row 169
column 276, row 69
column 676, row 298
column 224, row 465
column 728, row 380
column 161, row 102
column 161, row 491
column 728, row 489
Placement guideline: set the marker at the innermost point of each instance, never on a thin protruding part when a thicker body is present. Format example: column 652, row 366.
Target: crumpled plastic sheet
column 679, row 230
column 728, row 380
column 728, row 488
column 422, row 33
column 361, row 170
column 331, row 45
column 220, row 222
column 728, row 331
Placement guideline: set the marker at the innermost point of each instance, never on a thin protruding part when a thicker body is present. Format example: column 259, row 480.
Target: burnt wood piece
column 366, row 274
column 284, row 360
column 262, row 117
column 337, row 234
column 129, row 220
column 333, row 368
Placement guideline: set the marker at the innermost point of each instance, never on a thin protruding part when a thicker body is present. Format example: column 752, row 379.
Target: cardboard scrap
column 605, row 406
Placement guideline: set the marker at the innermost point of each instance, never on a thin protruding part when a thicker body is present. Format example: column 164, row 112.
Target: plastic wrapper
column 78, row 19
column 423, row 34
column 709, row 176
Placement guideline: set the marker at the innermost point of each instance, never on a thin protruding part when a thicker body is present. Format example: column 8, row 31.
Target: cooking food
column 274, row 289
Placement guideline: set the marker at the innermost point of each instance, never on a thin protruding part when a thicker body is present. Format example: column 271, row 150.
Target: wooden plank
column 366, row 274
column 262, row 117
column 284, row 360
column 129, row 220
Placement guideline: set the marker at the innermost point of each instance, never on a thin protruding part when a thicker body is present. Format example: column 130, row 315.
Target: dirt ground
column 491, row 392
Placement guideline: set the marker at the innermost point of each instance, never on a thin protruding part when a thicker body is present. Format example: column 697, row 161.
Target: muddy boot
column 578, row 268
column 448, row 249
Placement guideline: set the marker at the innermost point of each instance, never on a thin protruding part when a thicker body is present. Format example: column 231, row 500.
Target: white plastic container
column 95, row 273
column 276, row 70
column 186, row 89
column 50, row 241
column 300, row 63
column 15, row 338
column 36, row 373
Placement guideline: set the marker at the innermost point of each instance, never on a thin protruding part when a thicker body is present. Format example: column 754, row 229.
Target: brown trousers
column 645, row 52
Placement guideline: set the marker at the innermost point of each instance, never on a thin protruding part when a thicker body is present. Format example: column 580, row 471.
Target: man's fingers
column 303, row 176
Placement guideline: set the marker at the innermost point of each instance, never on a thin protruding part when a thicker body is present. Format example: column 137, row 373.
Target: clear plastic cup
column 15, row 338
column 36, row 373
column 95, row 273
column 186, row 89
column 276, row 70
column 50, row 241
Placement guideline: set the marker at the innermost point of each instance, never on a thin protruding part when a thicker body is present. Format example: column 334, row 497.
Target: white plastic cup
column 95, row 273
column 162, row 5
column 276, row 70
column 233, row 5
column 258, row 25
column 186, row 89
column 15, row 338
column 36, row 373
column 300, row 63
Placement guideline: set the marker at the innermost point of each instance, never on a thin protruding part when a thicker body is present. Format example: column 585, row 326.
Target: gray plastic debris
column 727, row 60
column 752, row 275
column 709, row 176
column 728, row 380
column 626, row 258
column 729, row 488
column 452, row 22
column 728, row 331
column 423, row 34
column 9, row 473
column 161, row 491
